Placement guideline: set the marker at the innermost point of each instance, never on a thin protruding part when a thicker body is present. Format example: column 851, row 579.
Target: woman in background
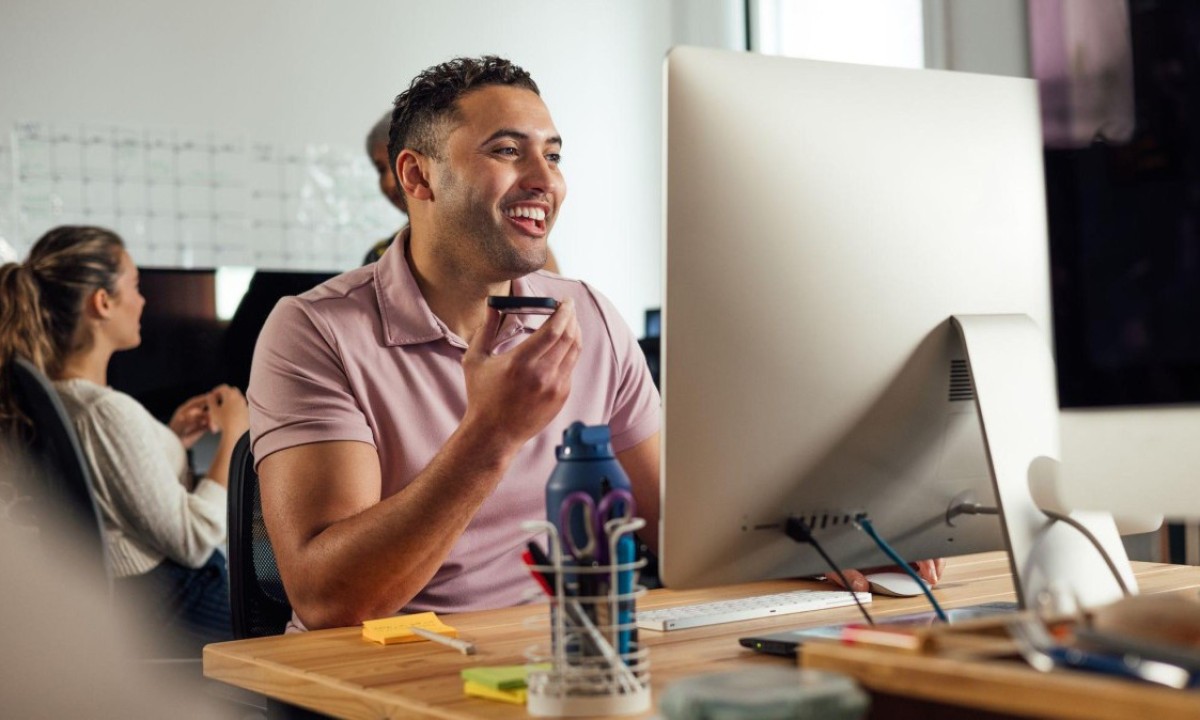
column 71, row 305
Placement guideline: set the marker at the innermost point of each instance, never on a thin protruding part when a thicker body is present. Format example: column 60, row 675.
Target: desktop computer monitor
column 824, row 222
column 1122, row 135
column 186, row 348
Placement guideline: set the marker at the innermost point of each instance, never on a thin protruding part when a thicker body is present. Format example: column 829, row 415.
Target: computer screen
column 1120, row 94
column 180, row 353
column 823, row 223
column 186, row 348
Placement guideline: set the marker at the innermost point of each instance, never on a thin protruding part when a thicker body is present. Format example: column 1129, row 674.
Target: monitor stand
column 1013, row 375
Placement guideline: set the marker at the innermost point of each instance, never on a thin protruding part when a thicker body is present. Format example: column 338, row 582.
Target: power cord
column 865, row 525
column 970, row 508
column 1112, row 567
column 798, row 530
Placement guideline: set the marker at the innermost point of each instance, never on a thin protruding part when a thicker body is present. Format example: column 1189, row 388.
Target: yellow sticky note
column 398, row 629
column 502, row 677
column 474, row 689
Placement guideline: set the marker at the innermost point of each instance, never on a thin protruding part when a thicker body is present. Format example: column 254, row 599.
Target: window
column 873, row 32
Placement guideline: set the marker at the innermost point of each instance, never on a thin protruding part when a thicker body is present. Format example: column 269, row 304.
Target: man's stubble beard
column 474, row 231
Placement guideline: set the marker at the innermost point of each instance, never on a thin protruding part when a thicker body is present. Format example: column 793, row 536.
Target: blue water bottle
column 587, row 488
column 586, row 463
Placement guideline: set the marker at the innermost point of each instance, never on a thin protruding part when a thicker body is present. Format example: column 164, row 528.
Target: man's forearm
column 374, row 561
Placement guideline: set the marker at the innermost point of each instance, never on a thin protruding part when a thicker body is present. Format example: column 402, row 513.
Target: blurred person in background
column 71, row 305
column 67, row 652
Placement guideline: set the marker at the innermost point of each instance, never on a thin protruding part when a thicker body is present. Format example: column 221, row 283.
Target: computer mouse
column 896, row 584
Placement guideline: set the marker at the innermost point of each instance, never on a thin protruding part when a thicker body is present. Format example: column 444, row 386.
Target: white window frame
column 845, row 30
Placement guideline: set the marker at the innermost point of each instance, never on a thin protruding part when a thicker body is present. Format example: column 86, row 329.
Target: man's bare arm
column 641, row 464
column 345, row 556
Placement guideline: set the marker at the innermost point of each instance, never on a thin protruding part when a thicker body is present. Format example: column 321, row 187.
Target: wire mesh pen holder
column 597, row 666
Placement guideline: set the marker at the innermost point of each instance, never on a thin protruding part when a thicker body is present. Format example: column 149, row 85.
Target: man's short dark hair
column 431, row 99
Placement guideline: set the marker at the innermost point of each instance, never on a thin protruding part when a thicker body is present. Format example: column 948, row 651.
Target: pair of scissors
column 595, row 516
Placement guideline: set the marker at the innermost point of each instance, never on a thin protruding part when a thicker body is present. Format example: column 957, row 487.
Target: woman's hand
column 191, row 420
column 227, row 411
column 229, row 416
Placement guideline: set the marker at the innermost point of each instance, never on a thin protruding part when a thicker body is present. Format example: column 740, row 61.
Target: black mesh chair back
column 62, row 487
column 259, row 604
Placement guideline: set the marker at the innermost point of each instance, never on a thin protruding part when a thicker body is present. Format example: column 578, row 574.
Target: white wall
column 316, row 71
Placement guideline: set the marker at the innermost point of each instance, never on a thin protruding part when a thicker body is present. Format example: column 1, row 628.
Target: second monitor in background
column 186, row 348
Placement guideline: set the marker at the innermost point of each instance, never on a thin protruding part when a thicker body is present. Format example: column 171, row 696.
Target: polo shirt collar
column 407, row 319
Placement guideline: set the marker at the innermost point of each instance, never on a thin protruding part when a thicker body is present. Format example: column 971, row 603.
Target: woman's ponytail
column 23, row 333
column 41, row 303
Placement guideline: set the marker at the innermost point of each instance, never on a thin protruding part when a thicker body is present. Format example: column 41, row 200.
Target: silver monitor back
column 823, row 223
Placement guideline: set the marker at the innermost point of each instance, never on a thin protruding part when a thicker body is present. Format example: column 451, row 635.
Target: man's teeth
column 526, row 212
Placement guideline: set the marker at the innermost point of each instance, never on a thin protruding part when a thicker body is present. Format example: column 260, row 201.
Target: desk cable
column 970, row 508
column 862, row 523
column 798, row 530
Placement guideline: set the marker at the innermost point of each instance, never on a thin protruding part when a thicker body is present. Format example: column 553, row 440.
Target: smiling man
column 377, row 152
column 402, row 429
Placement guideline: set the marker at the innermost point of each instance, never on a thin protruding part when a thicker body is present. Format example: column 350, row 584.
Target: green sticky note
column 501, row 677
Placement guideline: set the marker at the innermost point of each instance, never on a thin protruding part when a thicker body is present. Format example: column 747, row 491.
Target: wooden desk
column 908, row 685
column 338, row 673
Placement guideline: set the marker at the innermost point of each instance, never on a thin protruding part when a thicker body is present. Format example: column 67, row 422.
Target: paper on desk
column 398, row 628
column 474, row 689
column 502, row 677
column 899, row 637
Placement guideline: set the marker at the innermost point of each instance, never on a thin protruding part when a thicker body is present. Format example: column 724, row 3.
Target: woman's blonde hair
column 41, row 302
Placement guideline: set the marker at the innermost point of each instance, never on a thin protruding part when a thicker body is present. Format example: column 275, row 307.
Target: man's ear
column 412, row 170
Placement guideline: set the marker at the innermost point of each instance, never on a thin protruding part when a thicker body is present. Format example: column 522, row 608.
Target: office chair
column 62, row 482
column 651, row 349
column 61, row 489
column 256, row 595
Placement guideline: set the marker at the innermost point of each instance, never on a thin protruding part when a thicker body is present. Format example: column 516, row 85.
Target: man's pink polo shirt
column 362, row 357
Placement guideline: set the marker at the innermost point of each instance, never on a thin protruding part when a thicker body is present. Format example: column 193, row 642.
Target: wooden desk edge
column 347, row 701
column 1000, row 686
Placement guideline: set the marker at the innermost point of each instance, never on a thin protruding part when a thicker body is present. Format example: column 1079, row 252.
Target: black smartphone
column 518, row 305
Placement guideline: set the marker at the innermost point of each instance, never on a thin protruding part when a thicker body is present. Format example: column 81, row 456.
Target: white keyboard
column 748, row 608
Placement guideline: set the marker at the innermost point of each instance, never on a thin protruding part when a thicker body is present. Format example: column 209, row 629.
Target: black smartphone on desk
column 522, row 305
